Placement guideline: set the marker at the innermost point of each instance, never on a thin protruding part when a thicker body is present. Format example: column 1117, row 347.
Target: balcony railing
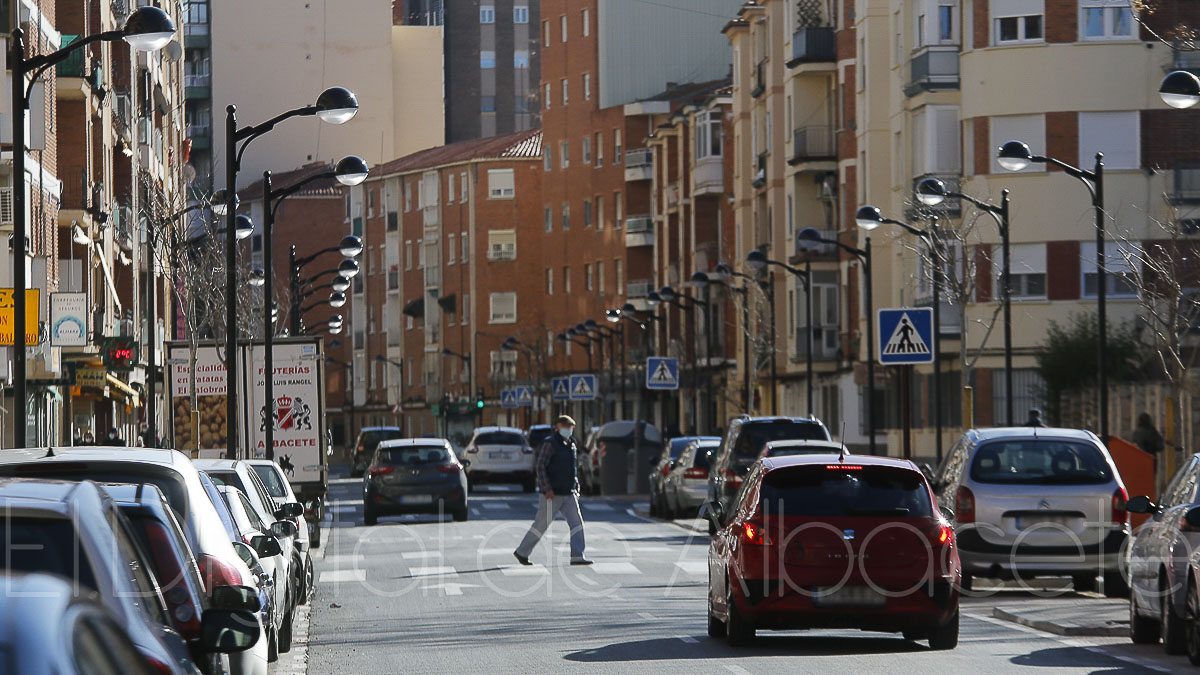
column 199, row 130
column 433, row 276
column 760, row 170
column 813, row 143
column 639, row 164
column 811, row 45
column 760, row 79
column 1186, row 185
column 933, row 68
column 197, row 80
column 639, row 231
column 76, row 189
column 638, row 289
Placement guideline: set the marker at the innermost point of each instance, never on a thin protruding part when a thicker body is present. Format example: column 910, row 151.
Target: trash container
column 621, row 472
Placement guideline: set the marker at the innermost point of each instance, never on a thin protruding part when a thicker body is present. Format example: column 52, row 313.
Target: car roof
column 43, row 491
column 856, row 460
column 95, row 452
column 209, row 464
column 413, row 442
column 479, row 430
column 366, row 429
column 804, row 442
column 779, row 418
column 134, row 493
column 1032, row 433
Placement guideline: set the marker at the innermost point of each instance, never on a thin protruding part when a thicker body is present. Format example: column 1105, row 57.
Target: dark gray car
column 419, row 475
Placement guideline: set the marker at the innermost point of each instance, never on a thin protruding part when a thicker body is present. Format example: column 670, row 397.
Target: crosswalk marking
column 597, row 506
column 614, row 568
column 496, row 505
column 696, row 568
column 688, row 639
column 495, row 551
column 334, row 576
column 409, row 555
column 335, row 560
column 438, row 571
column 524, row 570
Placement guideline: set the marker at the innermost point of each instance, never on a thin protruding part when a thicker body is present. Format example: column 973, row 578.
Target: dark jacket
column 556, row 465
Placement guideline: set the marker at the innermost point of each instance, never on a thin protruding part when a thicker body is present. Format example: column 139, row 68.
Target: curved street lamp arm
column 317, row 276
column 1087, row 176
column 247, row 134
column 301, row 262
column 37, row 65
column 924, row 234
column 277, row 196
column 639, row 324
column 996, row 212
column 857, row 252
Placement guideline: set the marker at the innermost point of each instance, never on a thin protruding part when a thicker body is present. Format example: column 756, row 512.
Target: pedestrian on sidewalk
column 1146, row 437
column 555, row 468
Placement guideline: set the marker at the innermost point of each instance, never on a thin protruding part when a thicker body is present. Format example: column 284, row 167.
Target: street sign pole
column 906, row 409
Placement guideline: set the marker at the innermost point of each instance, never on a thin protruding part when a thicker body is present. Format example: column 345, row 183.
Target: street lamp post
column 1015, row 156
column 758, row 261
column 569, row 335
column 148, row 29
column 335, row 105
column 614, row 316
column 931, row 192
column 702, row 280
column 609, row 334
column 380, row 358
column 810, row 234
column 350, row 247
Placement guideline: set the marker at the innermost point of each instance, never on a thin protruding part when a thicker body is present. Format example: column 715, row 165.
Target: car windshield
column 1040, row 462
column 827, row 493
column 537, row 436
column 44, row 545
column 414, row 455
column 271, row 479
column 499, row 438
column 755, row 435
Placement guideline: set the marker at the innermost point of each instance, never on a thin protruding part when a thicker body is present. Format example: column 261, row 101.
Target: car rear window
column 537, row 436
column 414, row 456
column 788, row 451
column 827, row 493
column 499, row 438
column 271, row 479
column 755, row 435
column 370, row 439
column 44, row 545
column 1040, row 462
column 704, row 455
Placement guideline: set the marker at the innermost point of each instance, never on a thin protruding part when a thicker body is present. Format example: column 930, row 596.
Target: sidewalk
column 1071, row 615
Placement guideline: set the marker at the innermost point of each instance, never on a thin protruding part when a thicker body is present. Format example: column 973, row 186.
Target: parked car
column 1036, row 502
column 537, row 434
column 1192, row 603
column 661, row 466
column 743, row 443
column 1160, row 570
column 795, row 447
column 364, row 446
column 172, row 472
column 499, row 455
column 74, row 530
column 687, row 484
column 276, row 482
column 818, row 542
column 419, row 475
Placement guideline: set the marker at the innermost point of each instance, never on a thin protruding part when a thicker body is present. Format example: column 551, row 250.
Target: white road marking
column 343, row 508
column 687, row 638
column 614, row 568
column 597, row 506
column 648, row 616
column 409, row 555
column 1070, row 642
column 589, row 581
column 736, row 669
column 496, row 505
column 523, row 570
column 335, row 576
column 696, row 568
column 453, row 588
column 495, row 551
column 651, row 549
column 335, row 560
column 634, row 514
column 440, row 571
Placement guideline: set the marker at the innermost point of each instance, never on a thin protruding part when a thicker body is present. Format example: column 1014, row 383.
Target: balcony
column 502, row 252
column 76, row 190
column 803, row 250
column 760, row 79
column 197, row 86
column 1186, row 185
column 760, row 170
column 639, row 231
column 708, row 176
column 816, row 44
column 813, row 144
column 638, row 289
column 931, row 69
column 639, row 164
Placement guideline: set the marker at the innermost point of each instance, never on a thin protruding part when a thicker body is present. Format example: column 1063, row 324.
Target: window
column 586, row 17
column 503, row 307
column 466, row 247
column 1030, row 129
column 936, row 135
column 587, row 86
column 420, row 255
column 566, row 217
column 549, row 281
column 502, row 245
column 616, row 146
column 936, row 20
column 599, row 213
column 548, row 214
column 1028, row 270
column 1012, row 29
column 789, row 224
column 546, row 95
column 1119, row 275
column 564, row 159
column 520, row 14
column 547, row 158
column 408, row 325
column 487, row 59
column 562, row 28
column 587, row 275
column 545, row 33
column 462, row 181
column 408, row 256
column 1105, row 20
column 1116, row 134
column 587, row 150
column 520, row 59
column 450, row 188
column 566, row 279
column 599, row 145
column 587, row 213
column 487, row 14
column 708, row 135
column 945, row 23
column 487, row 104
column 450, row 249
column 619, row 269
column 500, row 184
column 618, row 211
column 600, row 276
column 563, row 83
column 465, row 317
column 407, row 197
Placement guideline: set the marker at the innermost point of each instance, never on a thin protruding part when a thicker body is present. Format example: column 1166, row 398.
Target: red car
column 822, row 541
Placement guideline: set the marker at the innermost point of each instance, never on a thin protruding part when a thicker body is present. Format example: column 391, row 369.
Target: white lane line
column 614, row 568
column 633, row 514
column 651, row 549
column 695, row 568
column 647, row 616
column 523, row 570
column 495, row 551
column 687, row 638
column 597, row 506
column 335, row 576
column 477, row 512
column 439, row 571
column 736, row 669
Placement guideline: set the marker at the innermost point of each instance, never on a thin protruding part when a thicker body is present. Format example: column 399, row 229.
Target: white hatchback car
column 499, row 455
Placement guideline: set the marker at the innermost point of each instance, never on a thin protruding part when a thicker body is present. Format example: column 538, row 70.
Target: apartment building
column 453, row 242
column 197, row 76
column 492, row 63
column 854, row 103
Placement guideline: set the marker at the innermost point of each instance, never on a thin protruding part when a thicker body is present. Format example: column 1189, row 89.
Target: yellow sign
column 33, row 306
column 91, row 377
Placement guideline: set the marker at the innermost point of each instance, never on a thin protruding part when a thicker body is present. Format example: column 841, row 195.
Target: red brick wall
column 1170, row 18
column 1062, row 21
column 1062, row 137
column 1170, row 137
column 1062, row 270
column 981, row 24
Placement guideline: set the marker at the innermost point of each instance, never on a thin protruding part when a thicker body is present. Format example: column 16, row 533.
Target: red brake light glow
column 695, row 473
column 449, row 468
column 853, row 467
column 216, row 572
column 754, row 533
column 1119, row 515
column 942, row 534
column 174, row 585
column 380, row 470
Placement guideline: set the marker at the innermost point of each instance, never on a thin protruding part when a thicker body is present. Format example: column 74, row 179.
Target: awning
column 415, row 308
column 123, row 388
column 448, row 303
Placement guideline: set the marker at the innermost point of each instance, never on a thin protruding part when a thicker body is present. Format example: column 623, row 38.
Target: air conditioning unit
column 6, row 206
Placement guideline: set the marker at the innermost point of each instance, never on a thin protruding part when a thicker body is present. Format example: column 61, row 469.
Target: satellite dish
column 173, row 51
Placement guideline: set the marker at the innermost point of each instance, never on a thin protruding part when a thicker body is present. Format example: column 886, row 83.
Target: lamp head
column 628, row 308
column 699, row 280
column 148, row 29
column 257, row 277
column 654, row 299
column 723, row 270
column 931, row 191
column 581, row 329
column 351, row 170
column 447, row 352
column 1014, row 156
column 349, row 268
column 667, row 293
column 335, row 320
column 560, row 338
column 219, row 202
column 590, row 325
column 351, row 246
column 1180, row 89
column 337, row 299
column 340, row 284
column 242, row 226
column 571, row 332
column 612, row 315
column 335, row 330
column 756, row 261
column 868, row 218
column 337, row 105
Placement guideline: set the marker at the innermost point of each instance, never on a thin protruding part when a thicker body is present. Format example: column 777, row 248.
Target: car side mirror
column 1142, row 504
column 1193, row 517
column 290, row 510
column 228, row 630
column 284, row 529
column 265, row 545
column 235, row 598
column 247, row 554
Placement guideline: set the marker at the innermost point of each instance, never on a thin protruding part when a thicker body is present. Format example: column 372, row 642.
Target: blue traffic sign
column 560, row 388
column 905, row 336
column 524, row 395
column 508, row 398
column 662, row 373
column 583, row 387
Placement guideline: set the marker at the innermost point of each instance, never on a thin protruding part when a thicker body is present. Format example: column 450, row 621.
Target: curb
column 1067, row 629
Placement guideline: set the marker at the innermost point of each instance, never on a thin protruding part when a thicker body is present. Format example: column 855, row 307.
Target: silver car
column 1033, row 502
column 686, row 487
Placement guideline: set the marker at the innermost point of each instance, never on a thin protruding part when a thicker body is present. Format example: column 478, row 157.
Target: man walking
column 555, row 466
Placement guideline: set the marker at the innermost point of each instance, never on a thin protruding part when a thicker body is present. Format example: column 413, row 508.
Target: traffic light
column 479, row 404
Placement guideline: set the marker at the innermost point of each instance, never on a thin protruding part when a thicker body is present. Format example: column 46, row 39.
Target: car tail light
column 157, row 666
column 942, row 534
column 755, row 533
column 666, row 469
column 695, row 473
column 732, row 478
column 449, row 468
column 174, row 585
column 472, row 450
column 1119, row 515
column 603, row 448
column 964, row 505
column 216, row 572
column 380, row 470
column 843, row 467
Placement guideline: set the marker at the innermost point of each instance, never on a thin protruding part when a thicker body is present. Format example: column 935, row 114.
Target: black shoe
column 581, row 561
column 521, row 559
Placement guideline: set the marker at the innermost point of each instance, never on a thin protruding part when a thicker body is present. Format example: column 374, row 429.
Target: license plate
column 500, row 455
column 1051, row 523
column 847, row 596
column 416, row 499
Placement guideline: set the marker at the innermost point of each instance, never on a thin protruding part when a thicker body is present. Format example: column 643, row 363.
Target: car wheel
column 1084, row 583
column 369, row 516
column 1193, row 625
column 285, row 633
column 1115, row 585
column 738, row 632
column 310, row 577
column 945, row 636
column 1174, row 628
column 716, row 627
column 1142, row 630
column 461, row 514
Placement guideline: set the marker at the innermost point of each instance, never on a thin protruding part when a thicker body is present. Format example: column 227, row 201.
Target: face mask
column 565, row 433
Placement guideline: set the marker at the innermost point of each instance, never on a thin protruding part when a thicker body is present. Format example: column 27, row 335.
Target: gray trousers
column 568, row 505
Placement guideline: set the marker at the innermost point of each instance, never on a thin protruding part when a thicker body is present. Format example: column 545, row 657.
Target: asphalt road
column 420, row 594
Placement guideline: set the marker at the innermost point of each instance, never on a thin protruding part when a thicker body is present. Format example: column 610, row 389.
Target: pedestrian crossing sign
column 508, row 398
column 560, row 389
column 583, row 387
column 905, row 336
column 524, row 396
column 662, row 373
